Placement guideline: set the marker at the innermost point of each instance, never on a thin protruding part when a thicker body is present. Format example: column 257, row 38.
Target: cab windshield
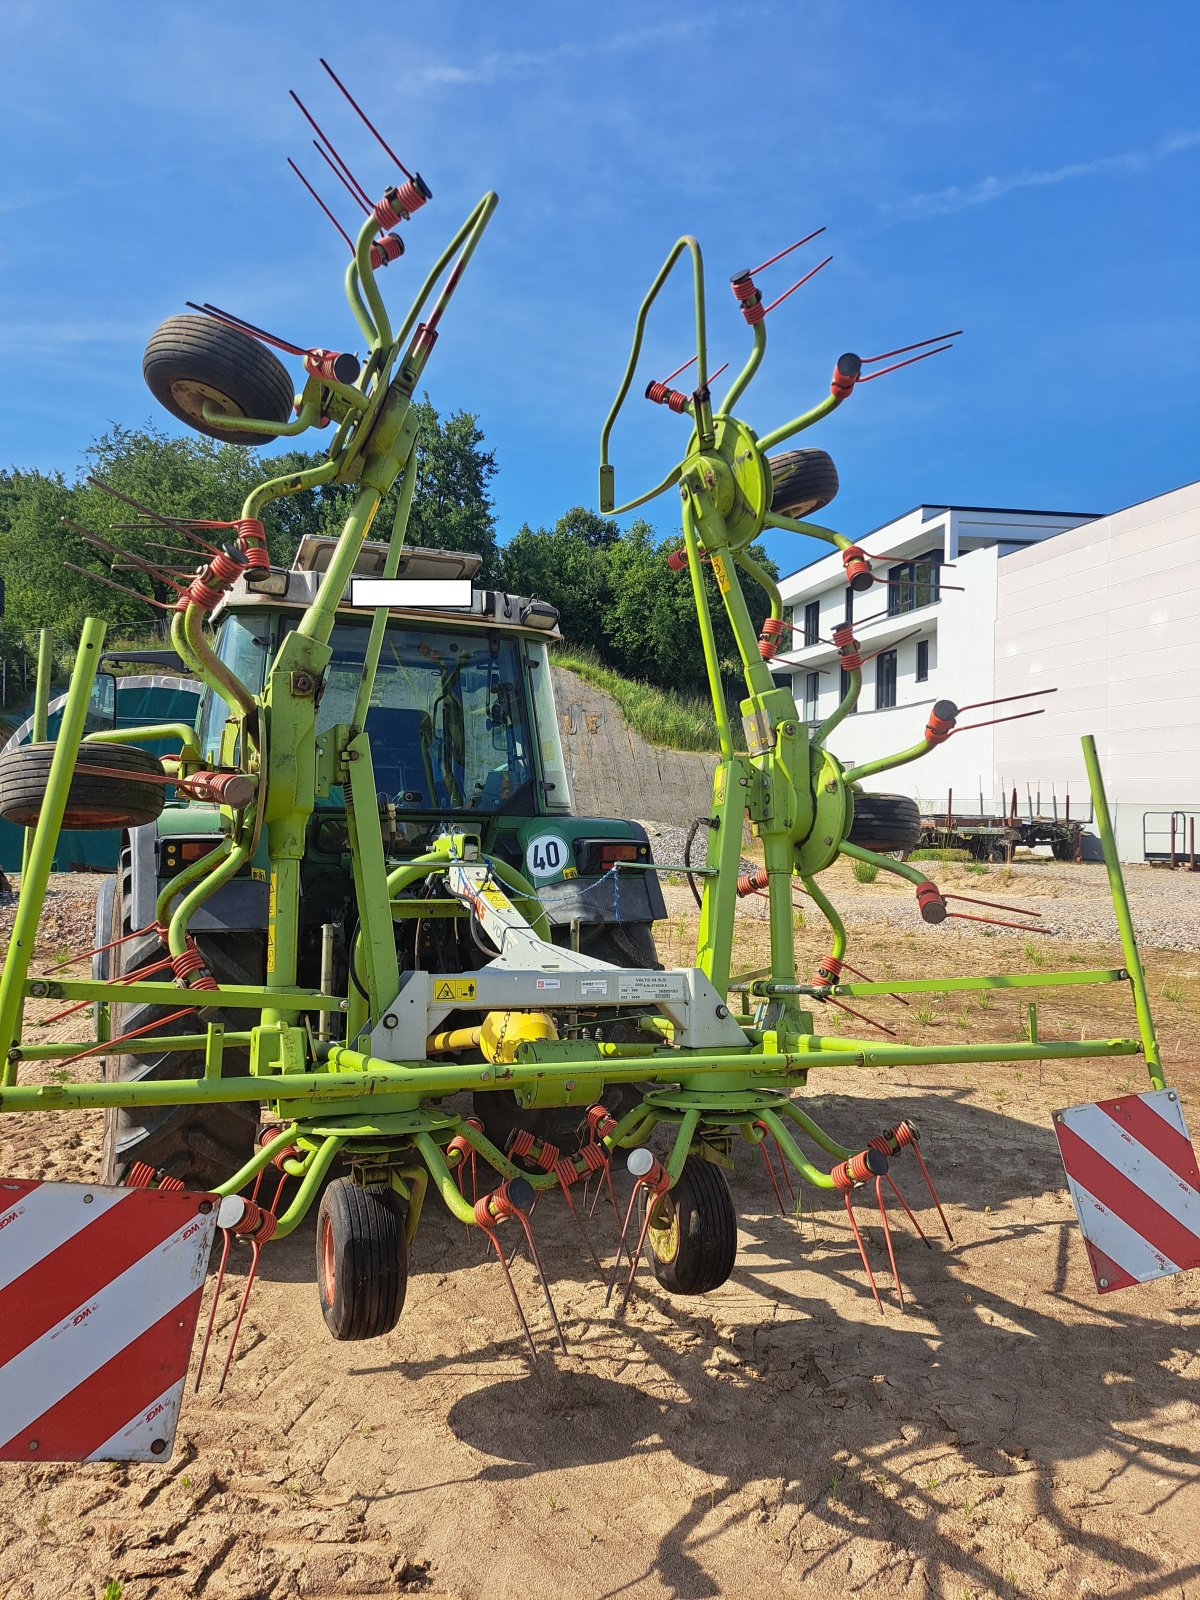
column 447, row 720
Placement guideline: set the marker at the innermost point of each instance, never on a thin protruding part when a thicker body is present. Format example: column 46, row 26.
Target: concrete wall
column 1109, row 614
column 615, row 773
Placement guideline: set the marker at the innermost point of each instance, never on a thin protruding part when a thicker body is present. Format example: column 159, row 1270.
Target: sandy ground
column 1010, row 1433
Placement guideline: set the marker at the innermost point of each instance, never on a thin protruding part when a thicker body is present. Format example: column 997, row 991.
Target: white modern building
column 979, row 602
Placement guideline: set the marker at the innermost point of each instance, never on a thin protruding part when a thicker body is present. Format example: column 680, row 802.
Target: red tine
column 121, row 588
column 799, row 284
column 932, row 1191
column 763, row 265
column 862, row 1249
column 862, row 1017
column 232, row 320
column 353, row 193
column 905, row 348
column 908, row 1212
column 883, row 371
column 1005, row 699
column 319, row 131
column 770, row 1166
column 387, row 150
column 320, row 202
column 887, row 1234
column 992, row 905
column 678, row 370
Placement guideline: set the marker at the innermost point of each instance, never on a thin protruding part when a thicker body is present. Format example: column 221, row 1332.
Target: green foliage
column 866, row 871
column 662, row 718
column 618, row 598
column 937, row 853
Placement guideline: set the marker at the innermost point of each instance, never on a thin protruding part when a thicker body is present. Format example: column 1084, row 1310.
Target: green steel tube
column 227, row 684
column 683, row 1143
column 886, row 763
column 708, row 643
column 742, row 382
column 358, row 307
column 291, row 483
column 308, row 413
column 825, row 907
column 194, row 872
column 317, row 622
column 379, row 619
column 1003, row 980
column 258, row 1162
column 875, row 1055
column 147, row 1045
column 158, row 730
column 41, row 720
column 369, row 287
column 808, row 530
column 456, row 1202
column 1116, row 887
column 798, row 424
column 841, row 712
column 763, row 578
column 45, row 840
column 811, row 1174
column 815, row 1132
column 885, row 863
column 312, row 1180
column 204, row 890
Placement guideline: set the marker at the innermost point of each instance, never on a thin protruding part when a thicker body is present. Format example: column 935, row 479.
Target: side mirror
column 102, row 704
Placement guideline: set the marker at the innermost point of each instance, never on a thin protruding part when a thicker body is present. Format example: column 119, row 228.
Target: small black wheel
column 362, row 1259
column 191, row 360
column 804, row 481
column 884, row 823
column 693, row 1231
column 1063, row 849
column 128, row 794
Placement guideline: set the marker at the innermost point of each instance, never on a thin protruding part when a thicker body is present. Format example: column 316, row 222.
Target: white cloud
column 945, row 201
column 503, row 64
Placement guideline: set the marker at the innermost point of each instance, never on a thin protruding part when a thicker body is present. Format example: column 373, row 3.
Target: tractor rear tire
column 362, row 1259
column 693, row 1231
column 191, row 360
column 804, row 481
column 200, row 1144
column 884, row 823
column 125, row 801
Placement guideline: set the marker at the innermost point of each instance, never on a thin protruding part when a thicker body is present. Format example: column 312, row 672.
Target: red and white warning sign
column 99, row 1293
column 1133, row 1177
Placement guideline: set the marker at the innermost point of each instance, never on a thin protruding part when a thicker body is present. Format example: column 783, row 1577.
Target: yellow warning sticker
column 719, row 573
column 258, row 874
column 570, row 872
column 454, row 989
column 495, row 899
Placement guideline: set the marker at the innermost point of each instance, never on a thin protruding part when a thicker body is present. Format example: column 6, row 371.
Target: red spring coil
column 386, row 250
column 256, row 1223
column 859, row 1169
column 829, row 970
column 190, row 961
column 599, row 1123
column 494, row 1207
column 674, row 399
column 593, row 1156
column 139, row 1176
column 169, row 1183
column 677, row 560
column 387, row 212
column 768, row 638
column 941, row 721
column 567, row 1172
column 904, row 1134
column 749, row 300
column 929, row 900
column 226, row 567
column 521, row 1144
column 843, row 637
column 411, row 195
column 750, row 881
column 199, row 593
column 858, row 568
column 252, row 542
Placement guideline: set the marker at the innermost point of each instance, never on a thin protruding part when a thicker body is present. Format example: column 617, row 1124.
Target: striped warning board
column 99, row 1293
column 1133, row 1177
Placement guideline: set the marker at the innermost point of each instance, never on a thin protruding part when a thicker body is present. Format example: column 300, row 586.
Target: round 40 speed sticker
column 546, row 856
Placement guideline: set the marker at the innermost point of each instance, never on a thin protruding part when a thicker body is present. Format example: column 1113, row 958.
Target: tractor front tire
column 885, row 823
column 130, row 792
column 362, row 1259
column 693, row 1231
column 804, row 481
column 191, row 361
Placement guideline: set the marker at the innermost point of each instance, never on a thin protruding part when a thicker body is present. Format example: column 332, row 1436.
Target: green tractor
column 464, row 736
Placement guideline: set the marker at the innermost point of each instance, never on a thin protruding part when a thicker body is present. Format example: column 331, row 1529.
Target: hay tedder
column 366, row 900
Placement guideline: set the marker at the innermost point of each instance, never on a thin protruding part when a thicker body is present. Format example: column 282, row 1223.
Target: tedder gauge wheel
column 804, row 481
column 693, row 1231
column 362, row 1259
column 190, row 360
column 885, row 822
column 127, row 793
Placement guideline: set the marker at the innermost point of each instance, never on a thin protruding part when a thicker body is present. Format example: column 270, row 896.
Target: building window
column 913, row 584
column 812, row 694
column 922, row 660
column 849, row 604
column 812, row 622
column 885, row 680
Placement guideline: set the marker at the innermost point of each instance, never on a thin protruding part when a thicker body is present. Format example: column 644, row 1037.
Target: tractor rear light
column 601, row 855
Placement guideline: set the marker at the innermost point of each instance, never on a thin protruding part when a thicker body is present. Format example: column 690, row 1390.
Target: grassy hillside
column 667, row 720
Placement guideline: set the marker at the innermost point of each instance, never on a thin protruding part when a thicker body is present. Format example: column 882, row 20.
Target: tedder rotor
column 353, row 1065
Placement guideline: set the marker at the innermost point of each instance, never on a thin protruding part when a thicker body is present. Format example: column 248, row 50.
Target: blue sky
column 1027, row 171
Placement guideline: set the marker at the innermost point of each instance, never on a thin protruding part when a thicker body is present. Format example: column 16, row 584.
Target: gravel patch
column 1071, row 901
